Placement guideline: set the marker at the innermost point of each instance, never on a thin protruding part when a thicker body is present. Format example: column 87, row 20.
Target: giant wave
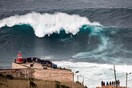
column 89, row 41
column 46, row 24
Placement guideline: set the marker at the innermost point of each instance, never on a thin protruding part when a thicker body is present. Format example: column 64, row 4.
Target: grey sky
column 62, row 4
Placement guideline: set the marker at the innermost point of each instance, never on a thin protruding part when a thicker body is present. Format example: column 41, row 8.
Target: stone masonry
column 54, row 75
column 51, row 74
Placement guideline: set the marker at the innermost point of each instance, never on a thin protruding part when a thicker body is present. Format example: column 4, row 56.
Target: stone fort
column 41, row 69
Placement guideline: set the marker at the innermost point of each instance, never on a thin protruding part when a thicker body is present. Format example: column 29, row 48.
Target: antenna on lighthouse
column 19, row 51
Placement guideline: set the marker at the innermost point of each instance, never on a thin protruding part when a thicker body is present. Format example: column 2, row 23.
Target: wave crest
column 47, row 24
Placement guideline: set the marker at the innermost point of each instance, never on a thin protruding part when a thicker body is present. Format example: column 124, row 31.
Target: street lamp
column 83, row 79
column 77, row 75
column 127, row 78
column 115, row 76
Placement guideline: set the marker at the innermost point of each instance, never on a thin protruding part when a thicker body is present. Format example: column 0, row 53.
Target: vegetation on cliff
column 7, row 81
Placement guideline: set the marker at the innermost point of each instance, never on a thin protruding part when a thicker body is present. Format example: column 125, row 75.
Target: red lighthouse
column 19, row 58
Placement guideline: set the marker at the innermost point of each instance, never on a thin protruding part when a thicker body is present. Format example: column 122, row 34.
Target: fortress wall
column 54, row 75
column 17, row 66
column 47, row 74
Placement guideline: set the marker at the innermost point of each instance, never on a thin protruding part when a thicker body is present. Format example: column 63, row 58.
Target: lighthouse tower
column 19, row 58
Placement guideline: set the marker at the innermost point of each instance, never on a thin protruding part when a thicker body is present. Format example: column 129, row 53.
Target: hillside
column 10, row 82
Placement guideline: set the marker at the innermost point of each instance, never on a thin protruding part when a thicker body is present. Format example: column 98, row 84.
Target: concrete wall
column 17, row 72
column 47, row 74
column 27, row 65
column 17, row 66
column 54, row 75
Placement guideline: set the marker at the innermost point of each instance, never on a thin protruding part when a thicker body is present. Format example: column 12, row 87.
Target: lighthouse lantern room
column 19, row 58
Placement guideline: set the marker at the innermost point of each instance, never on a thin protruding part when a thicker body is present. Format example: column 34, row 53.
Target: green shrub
column 9, row 77
column 57, row 85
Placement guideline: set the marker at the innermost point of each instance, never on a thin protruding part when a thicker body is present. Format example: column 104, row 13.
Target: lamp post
column 127, row 78
column 115, row 76
column 77, row 75
column 83, row 79
column 80, row 76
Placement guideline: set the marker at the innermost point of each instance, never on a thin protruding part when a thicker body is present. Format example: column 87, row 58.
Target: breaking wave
column 47, row 24
column 61, row 35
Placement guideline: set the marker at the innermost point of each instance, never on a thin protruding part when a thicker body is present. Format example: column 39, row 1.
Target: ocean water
column 85, row 36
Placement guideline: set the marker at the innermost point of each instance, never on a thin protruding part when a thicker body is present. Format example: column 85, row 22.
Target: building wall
column 54, row 75
column 47, row 74
column 17, row 66
column 17, row 72
column 27, row 65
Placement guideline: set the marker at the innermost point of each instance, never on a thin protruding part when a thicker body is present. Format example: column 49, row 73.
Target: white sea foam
column 94, row 73
column 46, row 24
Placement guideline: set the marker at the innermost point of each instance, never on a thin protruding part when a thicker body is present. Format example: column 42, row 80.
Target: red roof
column 19, row 55
column 19, row 60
